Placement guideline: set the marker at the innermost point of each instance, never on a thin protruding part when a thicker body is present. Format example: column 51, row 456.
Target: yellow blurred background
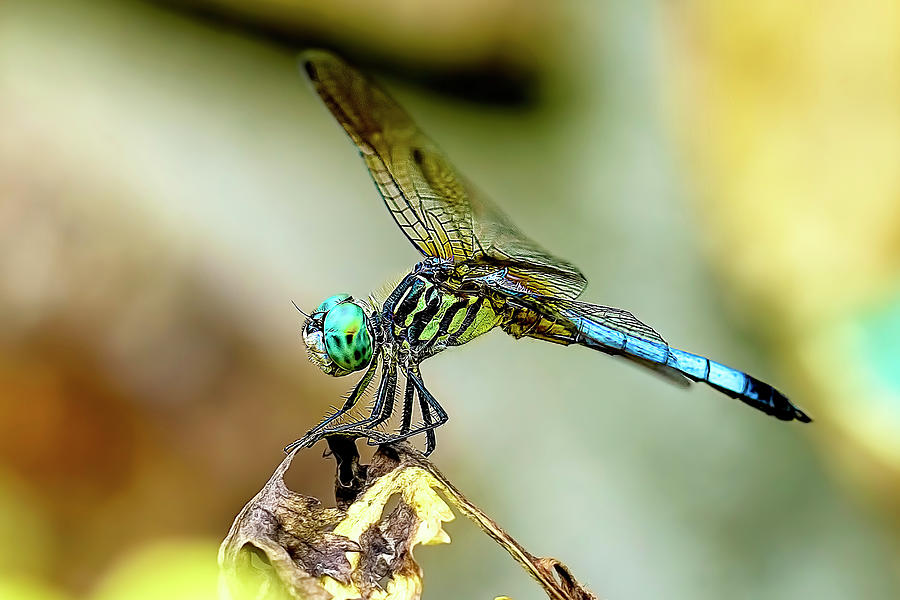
column 727, row 170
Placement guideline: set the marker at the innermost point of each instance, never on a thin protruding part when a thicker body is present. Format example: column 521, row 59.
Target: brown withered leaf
column 385, row 547
column 280, row 544
column 286, row 545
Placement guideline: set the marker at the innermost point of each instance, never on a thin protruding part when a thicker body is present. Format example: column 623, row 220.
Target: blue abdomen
column 734, row 383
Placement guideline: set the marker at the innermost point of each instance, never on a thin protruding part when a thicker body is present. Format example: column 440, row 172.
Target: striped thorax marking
column 429, row 316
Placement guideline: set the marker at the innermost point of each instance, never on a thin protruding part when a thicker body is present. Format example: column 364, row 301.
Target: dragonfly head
column 337, row 336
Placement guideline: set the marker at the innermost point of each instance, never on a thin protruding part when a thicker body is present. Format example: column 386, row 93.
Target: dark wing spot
column 357, row 355
column 418, row 156
column 310, row 70
column 349, row 338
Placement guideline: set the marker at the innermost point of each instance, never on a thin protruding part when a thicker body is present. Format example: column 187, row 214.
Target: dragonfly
column 478, row 273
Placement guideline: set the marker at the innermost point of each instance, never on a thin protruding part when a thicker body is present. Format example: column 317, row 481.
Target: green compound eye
column 331, row 302
column 347, row 340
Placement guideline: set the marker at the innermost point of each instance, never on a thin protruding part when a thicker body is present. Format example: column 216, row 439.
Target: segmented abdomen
column 731, row 382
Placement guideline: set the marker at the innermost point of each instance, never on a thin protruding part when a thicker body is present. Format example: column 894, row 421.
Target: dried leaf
column 285, row 534
column 387, row 542
column 286, row 545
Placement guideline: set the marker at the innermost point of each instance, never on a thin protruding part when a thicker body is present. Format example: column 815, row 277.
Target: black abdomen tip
column 781, row 407
column 801, row 416
column 764, row 397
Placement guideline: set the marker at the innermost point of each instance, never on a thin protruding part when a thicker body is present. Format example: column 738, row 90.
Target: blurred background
column 726, row 170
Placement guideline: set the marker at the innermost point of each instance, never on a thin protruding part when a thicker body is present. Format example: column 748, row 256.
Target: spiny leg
column 384, row 399
column 430, row 441
column 387, row 408
column 429, row 428
column 408, row 398
column 314, row 435
column 406, row 421
column 426, row 402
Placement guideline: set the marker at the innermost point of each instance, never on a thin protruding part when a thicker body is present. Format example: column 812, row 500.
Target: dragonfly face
column 337, row 336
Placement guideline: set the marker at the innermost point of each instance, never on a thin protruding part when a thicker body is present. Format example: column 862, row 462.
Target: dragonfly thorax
column 337, row 336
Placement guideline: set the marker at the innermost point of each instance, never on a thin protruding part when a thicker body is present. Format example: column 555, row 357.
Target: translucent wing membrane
column 501, row 243
column 435, row 219
column 438, row 210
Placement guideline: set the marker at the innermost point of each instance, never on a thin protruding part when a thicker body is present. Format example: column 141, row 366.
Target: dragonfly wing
column 501, row 243
column 438, row 210
column 433, row 214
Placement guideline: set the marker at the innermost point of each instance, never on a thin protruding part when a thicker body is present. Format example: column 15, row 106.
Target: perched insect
column 479, row 272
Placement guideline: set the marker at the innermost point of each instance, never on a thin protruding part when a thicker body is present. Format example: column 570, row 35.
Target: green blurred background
column 727, row 170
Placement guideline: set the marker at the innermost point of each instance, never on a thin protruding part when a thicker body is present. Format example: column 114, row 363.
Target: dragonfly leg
column 387, row 408
column 315, row 434
column 406, row 421
column 430, row 441
column 384, row 403
column 408, row 395
column 427, row 402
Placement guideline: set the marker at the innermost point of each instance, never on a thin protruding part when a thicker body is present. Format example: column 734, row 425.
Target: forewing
column 433, row 213
column 438, row 210
column 501, row 243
